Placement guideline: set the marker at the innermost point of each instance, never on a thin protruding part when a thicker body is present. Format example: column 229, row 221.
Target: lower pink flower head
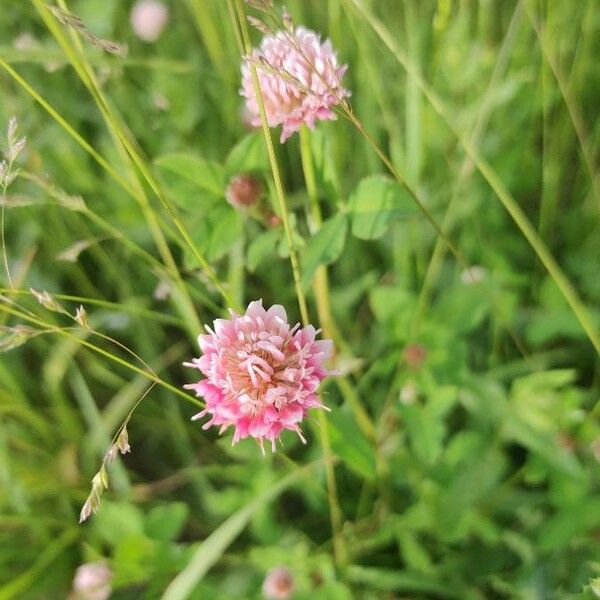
column 300, row 83
column 261, row 374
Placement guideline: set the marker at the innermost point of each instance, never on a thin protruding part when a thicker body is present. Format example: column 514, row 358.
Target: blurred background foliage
column 479, row 475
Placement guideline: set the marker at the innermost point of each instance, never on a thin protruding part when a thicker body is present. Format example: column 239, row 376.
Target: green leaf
column 226, row 231
column 390, row 302
column 324, row 247
column 248, row 154
column 350, row 445
column 570, row 523
column 261, row 247
column 117, row 520
column 206, row 175
column 426, row 433
column 375, row 201
column 165, row 522
column 131, row 559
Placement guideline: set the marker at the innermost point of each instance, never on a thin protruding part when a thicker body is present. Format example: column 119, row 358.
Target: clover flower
column 148, row 19
column 278, row 584
column 300, row 80
column 92, row 582
column 243, row 190
column 261, row 374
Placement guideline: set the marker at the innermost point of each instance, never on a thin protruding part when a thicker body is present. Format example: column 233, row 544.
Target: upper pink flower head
column 261, row 374
column 301, row 82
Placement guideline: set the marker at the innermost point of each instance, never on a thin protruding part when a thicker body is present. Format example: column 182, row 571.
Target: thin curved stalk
column 66, row 332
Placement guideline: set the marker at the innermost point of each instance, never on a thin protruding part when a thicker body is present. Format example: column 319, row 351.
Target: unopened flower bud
column 474, row 274
column 278, row 584
column 244, row 190
column 414, row 355
column 92, row 581
column 274, row 221
column 148, row 19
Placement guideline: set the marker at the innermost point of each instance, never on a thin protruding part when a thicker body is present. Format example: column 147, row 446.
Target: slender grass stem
column 571, row 104
column 67, row 332
column 493, row 180
column 118, row 306
column 466, row 167
column 123, row 136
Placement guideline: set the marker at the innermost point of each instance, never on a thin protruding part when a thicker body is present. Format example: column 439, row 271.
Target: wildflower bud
column 25, row 41
column 47, row 301
column 474, row 274
column 92, row 581
column 90, row 506
column 414, row 356
column 259, row 25
column 162, row 290
column 12, row 337
column 274, row 221
column 408, row 393
column 287, row 21
column 111, row 453
column 123, row 441
column 244, row 190
column 148, row 19
column 11, row 130
column 82, row 318
column 278, row 584
column 567, row 442
column 263, row 5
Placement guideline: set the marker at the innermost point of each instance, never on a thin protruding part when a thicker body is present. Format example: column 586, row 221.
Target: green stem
column 321, row 287
column 334, row 507
column 116, row 359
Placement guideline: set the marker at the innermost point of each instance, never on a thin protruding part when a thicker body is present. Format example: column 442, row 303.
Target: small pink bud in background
column 148, row 19
column 244, row 190
column 414, row 356
column 92, row 582
column 278, row 584
column 474, row 274
column 274, row 221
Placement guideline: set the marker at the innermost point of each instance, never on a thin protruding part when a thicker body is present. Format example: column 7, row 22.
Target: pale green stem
column 321, row 287
column 334, row 508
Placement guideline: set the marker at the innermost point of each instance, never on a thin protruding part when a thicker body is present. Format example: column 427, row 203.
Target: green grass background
column 472, row 475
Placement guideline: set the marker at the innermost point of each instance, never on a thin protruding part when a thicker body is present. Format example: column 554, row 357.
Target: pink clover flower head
column 148, row 19
column 300, row 81
column 261, row 374
column 278, row 584
column 92, row 581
